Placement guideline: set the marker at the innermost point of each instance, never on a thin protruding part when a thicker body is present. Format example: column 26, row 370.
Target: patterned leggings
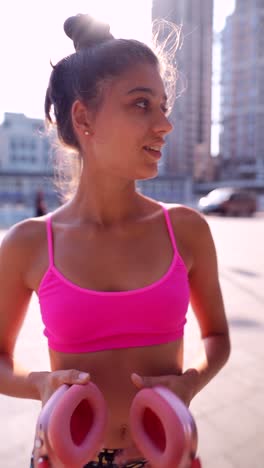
column 106, row 459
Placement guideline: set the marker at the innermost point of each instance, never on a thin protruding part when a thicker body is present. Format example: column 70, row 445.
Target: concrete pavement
column 230, row 411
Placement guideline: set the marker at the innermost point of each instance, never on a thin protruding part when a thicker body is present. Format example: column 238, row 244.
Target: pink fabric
column 81, row 320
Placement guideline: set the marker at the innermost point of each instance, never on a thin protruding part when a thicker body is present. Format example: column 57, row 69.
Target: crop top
column 79, row 320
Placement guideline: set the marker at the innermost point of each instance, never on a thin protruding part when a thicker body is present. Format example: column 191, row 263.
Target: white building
column 23, row 145
column 25, row 161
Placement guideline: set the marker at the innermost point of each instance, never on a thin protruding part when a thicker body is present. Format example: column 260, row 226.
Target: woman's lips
column 153, row 153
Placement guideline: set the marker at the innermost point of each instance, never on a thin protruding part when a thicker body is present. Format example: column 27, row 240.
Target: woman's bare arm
column 14, row 301
column 206, row 301
column 17, row 252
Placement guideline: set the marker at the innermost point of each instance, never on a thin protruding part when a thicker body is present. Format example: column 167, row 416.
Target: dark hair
column 98, row 58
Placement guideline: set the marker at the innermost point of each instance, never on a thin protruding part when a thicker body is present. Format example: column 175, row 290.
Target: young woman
column 114, row 270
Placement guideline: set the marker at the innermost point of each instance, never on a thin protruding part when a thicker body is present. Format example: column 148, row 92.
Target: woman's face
column 129, row 128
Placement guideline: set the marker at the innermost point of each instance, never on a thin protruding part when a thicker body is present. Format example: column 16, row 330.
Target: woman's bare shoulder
column 186, row 216
column 22, row 238
column 190, row 227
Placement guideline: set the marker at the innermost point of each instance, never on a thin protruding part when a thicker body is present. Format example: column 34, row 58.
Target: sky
column 31, row 34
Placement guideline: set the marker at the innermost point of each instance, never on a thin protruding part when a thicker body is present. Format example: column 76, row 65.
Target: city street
column 230, row 411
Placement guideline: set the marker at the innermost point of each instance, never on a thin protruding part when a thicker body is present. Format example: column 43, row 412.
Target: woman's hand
column 47, row 382
column 182, row 385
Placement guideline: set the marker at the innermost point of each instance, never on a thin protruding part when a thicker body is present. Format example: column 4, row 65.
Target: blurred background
column 216, row 148
column 218, row 138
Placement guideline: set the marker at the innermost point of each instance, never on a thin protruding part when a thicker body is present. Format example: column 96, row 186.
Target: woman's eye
column 143, row 104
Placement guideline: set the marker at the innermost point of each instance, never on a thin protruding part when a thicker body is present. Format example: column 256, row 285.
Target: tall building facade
column 242, row 92
column 24, row 147
column 25, row 161
column 188, row 149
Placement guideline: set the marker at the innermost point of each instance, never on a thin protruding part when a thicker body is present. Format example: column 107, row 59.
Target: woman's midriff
column 111, row 372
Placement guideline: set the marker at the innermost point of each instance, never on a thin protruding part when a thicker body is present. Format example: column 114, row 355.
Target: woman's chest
column 117, row 259
column 89, row 304
column 112, row 262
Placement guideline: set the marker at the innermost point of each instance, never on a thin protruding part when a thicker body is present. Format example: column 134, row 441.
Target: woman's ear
column 81, row 118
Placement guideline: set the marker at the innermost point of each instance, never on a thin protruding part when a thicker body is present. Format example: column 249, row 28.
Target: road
column 229, row 412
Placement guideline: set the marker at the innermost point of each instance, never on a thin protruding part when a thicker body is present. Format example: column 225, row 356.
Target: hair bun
column 85, row 31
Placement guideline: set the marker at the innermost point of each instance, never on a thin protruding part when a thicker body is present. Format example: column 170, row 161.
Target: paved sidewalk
column 230, row 411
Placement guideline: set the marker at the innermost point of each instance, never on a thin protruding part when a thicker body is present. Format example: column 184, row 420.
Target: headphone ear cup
column 74, row 422
column 162, row 428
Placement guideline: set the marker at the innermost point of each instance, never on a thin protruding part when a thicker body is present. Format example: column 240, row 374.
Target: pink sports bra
column 79, row 320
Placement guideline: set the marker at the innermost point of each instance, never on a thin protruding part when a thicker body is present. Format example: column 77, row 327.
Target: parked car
column 229, row 201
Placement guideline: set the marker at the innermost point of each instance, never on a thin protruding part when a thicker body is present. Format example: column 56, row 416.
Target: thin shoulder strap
column 169, row 226
column 50, row 238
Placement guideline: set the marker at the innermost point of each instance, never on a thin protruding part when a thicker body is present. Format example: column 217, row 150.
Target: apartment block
column 242, row 92
column 25, row 160
column 188, row 153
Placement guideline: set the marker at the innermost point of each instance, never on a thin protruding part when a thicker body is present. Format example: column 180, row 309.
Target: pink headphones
column 163, row 428
column 71, row 427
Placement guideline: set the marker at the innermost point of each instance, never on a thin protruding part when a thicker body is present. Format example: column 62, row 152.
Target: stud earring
column 86, row 132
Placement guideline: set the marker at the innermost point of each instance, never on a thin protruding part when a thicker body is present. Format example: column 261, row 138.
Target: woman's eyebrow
column 143, row 89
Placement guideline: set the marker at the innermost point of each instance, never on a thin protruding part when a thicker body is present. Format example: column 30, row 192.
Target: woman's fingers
column 70, row 377
column 53, row 380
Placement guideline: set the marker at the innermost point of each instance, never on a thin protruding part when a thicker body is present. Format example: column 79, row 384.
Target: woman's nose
column 162, row 124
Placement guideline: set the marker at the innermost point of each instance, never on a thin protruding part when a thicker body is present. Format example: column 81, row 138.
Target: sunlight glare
column 131, row 20
column 39, row 37
column 126, row 19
